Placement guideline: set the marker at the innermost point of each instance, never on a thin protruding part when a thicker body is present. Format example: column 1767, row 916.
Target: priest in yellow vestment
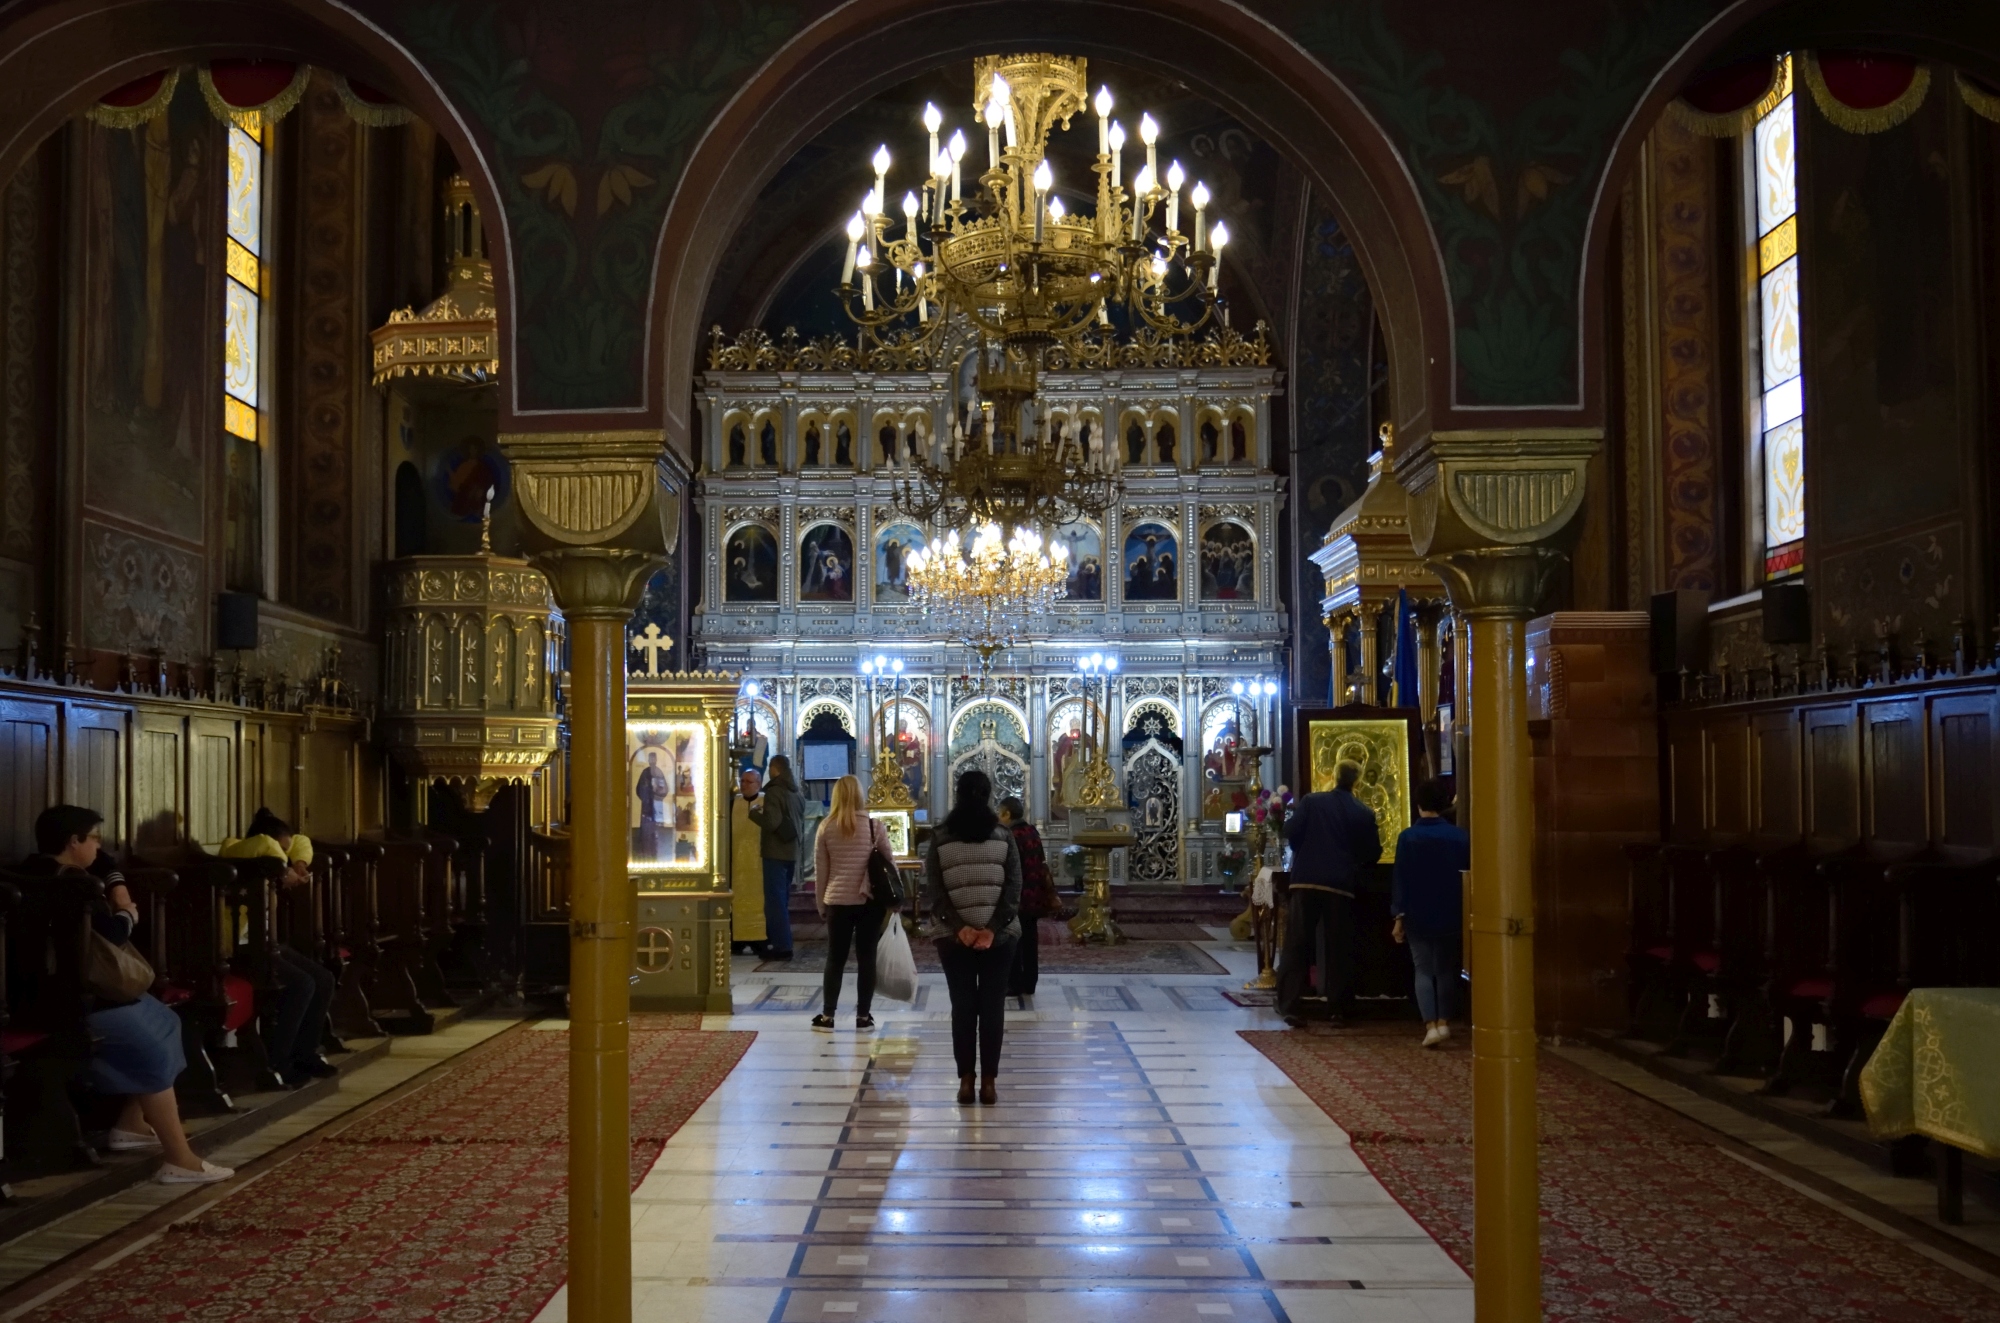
column 746, row 863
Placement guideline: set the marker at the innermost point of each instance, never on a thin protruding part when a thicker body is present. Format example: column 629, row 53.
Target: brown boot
column 965, row 1088
column 988, row 1094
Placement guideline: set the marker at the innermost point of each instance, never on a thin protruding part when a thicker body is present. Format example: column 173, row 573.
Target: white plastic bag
column 895, row 967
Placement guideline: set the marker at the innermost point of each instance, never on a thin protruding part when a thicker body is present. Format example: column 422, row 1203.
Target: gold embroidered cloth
column 1937, row 1072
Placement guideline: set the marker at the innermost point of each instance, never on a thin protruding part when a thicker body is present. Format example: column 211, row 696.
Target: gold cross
column 656, row 950
column 652, row 642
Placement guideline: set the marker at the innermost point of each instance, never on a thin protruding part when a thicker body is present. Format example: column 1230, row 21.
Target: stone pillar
column 597, row 520
column 1490, row 513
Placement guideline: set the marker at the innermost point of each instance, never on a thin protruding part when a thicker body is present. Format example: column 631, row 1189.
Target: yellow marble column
column 1490, row 510
column 597, row 520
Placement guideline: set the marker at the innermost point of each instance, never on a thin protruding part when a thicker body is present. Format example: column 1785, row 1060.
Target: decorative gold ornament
column 456, row 336
column 987, row 595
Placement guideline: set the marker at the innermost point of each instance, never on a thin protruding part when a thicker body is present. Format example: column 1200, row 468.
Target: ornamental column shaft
column 1490, row 512
column 598, row 518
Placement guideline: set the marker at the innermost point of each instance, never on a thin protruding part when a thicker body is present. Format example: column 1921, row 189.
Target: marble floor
column 1142, row 1163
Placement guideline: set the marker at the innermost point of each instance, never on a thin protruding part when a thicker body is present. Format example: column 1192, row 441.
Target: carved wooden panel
column 1894, row 781
column 1775, row 750
column 212, row 781
column 1728, row 749
column 1963, row 768
column 1832, row 786
column 159, row 792
column 28, row 744
column 1686, row 816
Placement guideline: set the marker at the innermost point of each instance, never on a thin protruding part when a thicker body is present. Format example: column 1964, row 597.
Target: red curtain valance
column 1863, row 92
column 246, row 92
column 1727, row 101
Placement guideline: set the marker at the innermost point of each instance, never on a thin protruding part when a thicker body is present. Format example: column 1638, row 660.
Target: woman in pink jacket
column 854, row 914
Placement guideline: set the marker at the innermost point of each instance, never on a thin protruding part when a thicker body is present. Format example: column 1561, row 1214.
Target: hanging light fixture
column 1025, row 272
column 986, row 594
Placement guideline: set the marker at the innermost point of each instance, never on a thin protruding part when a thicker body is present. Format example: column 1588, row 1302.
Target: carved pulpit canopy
column 1367, row 556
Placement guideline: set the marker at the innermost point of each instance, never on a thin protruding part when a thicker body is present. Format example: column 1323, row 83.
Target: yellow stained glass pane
column 239, row 418
column 1785, row 484
column 1776, row 141
column 239, row 343
column 242, row 265
column 246, row 190
column 1779, row 245
column 1780, row 307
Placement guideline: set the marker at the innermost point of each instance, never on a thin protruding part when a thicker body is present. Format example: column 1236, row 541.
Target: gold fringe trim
column 1731, row 123
column 253, row 119
column 1976, row 98
column 132, row 117
column 1843, row 116
column 372, row 114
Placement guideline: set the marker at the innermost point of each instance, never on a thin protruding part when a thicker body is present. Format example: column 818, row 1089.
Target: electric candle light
column 1141, row 204
column 910, row 205
column 957, row 149
column 1103, row 106
column 881, row 170
column 856, row 227
column 996, row 110
column 1175, row 178
column 1149, row 133
column 1117, row 151
column 867, row 282
column 1045, row 179
column 1217, row 237
column 1199, row 196
column 933, row 121
column 923, row 306
column 1055, row 210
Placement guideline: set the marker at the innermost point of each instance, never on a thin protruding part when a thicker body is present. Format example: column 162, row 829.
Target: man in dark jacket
column 1333, row 837
column 1431, row 859
column 780, row 816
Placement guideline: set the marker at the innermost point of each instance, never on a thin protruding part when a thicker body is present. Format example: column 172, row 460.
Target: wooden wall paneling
column 30, row 741
column 1832, row 781
column 96, row 766
column 326, row 791
column 159, row 781
column 1727, row 747
column 215, row 780
column 250, row 784
column 1965, row 768
column 1892, row 780
column 1687, row 816
column 1775, row 777
column 280, row 791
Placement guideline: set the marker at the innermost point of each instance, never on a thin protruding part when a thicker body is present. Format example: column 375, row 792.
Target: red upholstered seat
column 1706, row 961
column 242, row 1001
column 1660, row 952
column 173, row 994
column 1815, row 989
column 1882, row 1006
column 16, row 1041
column 346, row 954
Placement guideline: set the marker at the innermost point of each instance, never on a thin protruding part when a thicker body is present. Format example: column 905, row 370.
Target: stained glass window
column 1780, row 423
column 243, row 284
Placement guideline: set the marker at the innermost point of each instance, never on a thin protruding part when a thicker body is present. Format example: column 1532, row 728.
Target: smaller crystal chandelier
column 987, row 595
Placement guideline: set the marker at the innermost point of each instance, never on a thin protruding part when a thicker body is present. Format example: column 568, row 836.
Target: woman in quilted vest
column 973, row 886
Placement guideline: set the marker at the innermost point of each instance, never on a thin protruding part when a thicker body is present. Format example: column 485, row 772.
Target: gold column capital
column 599, row 582
column 589, row 489
column 1494, row 512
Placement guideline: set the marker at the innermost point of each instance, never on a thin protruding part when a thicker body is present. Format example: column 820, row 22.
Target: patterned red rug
column 446, row 1204
column 1146, row 954
column 1646, row 1218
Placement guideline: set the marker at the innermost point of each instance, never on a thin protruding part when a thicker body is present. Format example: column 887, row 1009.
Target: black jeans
column 978, row 983
column 1305, row 915
column 862, row 925
column 1027, row 960
column 292, row 1036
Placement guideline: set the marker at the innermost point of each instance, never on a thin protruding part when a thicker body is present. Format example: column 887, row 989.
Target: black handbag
column 885, row 880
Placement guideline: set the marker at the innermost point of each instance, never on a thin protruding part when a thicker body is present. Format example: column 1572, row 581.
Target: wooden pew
column 181, row 932
column 48, row 1041
column 407, row 988
column 352, row 933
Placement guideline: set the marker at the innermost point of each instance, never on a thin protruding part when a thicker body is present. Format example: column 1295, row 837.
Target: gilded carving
column 1510, row 502
column 1381, row 748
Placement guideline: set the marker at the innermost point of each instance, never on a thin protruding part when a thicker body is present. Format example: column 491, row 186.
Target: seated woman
column 292, row 1035
column 135, row 1045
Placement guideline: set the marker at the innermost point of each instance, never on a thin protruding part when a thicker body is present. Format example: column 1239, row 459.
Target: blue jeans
column 778, row 906
column 1436, row 958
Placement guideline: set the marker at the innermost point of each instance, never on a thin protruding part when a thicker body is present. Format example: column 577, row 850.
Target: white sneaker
column 169, row 1174
column 1444, row 1034
column 127, row 1141
column 1433, row 1036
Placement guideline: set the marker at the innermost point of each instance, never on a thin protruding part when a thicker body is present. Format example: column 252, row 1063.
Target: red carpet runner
column 1645, row 1216
column 446, row 1204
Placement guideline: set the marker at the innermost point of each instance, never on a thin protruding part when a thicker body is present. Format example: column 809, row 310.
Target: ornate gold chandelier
column 986, row 595
column 1026, row 275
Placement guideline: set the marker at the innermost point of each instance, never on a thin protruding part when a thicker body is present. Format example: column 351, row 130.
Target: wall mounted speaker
column 1680, row 631
column 1787, row 613
column 236, row 621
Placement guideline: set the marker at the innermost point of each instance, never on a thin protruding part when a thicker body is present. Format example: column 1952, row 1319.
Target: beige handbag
column 113, row 971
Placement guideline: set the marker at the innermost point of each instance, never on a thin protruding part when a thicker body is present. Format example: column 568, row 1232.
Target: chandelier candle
column 1149, row 133
column 1200, row 199
column 1175, row 178
column 1217, row 237
column 1142, row 202
column 1117, row 152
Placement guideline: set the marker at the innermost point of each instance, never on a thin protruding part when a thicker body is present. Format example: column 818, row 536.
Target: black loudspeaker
column 1680, row 631
column 1787, row 613
column 236, row 621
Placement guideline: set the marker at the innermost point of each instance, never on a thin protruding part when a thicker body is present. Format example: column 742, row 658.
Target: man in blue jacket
column 1430, row 859
column 1333, row 837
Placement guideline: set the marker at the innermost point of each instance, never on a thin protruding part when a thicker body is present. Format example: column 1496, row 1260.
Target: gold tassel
column 253, row 119
column 1977, row 99
column 132, row 117
column 1843, row 116
column 1730, row 123
column 370, row 114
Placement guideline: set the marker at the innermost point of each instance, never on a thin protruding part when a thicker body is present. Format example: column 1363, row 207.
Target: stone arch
column 1246, row 65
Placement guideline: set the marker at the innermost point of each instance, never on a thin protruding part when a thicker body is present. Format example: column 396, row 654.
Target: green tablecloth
column 1937, row 1072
